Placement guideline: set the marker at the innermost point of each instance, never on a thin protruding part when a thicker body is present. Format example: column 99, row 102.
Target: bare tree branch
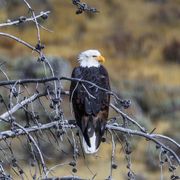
column 83, row 7
column 127, row 117
column 148, row 136
column 23, row 19
column 35, row 144
column 19, row 40
column 19, row 105
column 39, row 127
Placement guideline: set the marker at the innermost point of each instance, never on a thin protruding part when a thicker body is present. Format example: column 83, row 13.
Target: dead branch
column 151, row 137
column 39, row 127
column 127, row 117
column 19, row 40
column 9, row 113
column 35, row 144
column 83, row 7
column 23, row 19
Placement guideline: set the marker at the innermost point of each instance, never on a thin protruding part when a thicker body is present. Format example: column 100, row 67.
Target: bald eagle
column 90, row 104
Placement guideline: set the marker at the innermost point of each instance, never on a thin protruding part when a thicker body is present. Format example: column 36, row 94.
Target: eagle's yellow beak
column 101, row 59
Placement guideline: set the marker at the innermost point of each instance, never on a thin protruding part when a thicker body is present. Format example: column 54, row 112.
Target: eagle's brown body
column 90, row 104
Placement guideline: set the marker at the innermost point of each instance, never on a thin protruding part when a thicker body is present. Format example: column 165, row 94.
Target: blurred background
column 140, row 40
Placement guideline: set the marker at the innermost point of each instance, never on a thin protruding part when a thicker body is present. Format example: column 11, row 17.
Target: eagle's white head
column 90, row 58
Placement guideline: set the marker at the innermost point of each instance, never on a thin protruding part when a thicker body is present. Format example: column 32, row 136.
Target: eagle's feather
column 90, row 104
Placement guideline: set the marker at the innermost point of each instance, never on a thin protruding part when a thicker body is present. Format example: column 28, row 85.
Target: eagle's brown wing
column 90, row 104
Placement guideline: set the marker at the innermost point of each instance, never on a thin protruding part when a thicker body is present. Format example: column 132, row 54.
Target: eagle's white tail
column 92, row 149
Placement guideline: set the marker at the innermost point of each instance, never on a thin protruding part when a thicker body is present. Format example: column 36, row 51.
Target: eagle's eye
column 94, row 56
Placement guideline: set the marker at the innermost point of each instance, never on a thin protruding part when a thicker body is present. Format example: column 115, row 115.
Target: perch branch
column 152, row 137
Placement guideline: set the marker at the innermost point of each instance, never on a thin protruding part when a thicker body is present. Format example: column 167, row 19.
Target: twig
column 127, row 117
column 39, row 127
column 161, row 164
column 54, row 167
column 113, row 165
column 20, row 105
column 35, row 19
column 20, row 41
column 24, row 19
column 35, row 144
column 83, row 7
column 166, row 137
column 146, row 135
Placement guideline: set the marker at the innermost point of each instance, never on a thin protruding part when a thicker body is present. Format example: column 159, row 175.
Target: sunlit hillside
column 141, row 42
